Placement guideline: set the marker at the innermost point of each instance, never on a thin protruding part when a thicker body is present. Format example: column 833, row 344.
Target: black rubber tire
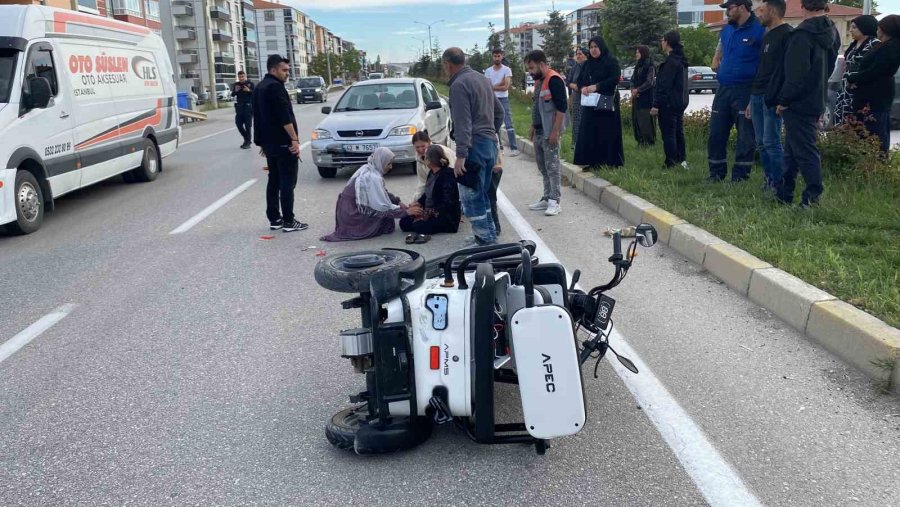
column 26, row 182
column 331, row 273
column 151, row 163
column 299, row 100
column 341, row 429
column 327, row 172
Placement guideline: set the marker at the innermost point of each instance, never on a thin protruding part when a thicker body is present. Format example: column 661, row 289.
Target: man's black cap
column 746, row 3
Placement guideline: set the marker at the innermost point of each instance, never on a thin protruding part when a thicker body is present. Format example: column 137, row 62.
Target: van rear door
column 49, row 130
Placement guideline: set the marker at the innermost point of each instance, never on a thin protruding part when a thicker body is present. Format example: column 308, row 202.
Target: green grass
column 849, row 246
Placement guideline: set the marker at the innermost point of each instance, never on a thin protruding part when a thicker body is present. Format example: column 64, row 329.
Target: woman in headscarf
column 575, row 99
column 872, row 81
column 642, row 82
column 863, row 30
column 438, row 210
column 600, row 135
column 365, row 209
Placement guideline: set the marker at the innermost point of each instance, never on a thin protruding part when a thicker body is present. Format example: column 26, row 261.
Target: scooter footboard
column 549, row 373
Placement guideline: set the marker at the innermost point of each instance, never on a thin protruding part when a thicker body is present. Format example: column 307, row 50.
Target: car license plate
column 360, row 148
column 708, row 76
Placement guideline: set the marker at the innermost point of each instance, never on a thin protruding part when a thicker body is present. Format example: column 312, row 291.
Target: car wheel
column 352, row 272
column 327, row 172
column 29, row 200
column 299, row 100
column 151, row 164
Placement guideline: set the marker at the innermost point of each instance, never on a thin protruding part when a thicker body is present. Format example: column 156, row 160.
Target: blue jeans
column 507, row 120
column 880, row 125
column 476, row 202
column 767, row 127
column 727, row 111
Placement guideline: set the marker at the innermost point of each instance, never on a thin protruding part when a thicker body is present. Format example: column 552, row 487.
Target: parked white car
column 223, row 92
column 385, row 113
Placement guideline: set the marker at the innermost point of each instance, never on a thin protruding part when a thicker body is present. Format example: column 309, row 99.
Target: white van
column 82, row 98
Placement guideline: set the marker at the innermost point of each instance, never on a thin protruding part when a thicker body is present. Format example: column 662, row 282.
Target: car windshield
column 308, row 83
column 221, row 87
column 379, row 96
column 702, row 70
column 8, row 59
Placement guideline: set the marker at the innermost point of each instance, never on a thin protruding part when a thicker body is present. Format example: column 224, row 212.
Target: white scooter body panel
column 444, row 325
column 548, row 369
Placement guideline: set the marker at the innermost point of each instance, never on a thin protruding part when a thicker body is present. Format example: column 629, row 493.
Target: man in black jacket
column 670, row 99
column 801, row 100
column 242, row 91
column 275, row 133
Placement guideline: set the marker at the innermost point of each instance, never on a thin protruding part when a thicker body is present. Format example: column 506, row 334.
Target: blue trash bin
column 184, row 100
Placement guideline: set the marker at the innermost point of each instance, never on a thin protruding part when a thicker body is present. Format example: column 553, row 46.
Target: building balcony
column 249, row 19
column 224, row 58
column 248, row 3
column 220, row 36
column 188, row 57
column 250, row 43
column 189, row 75
column 182, row 10
column 185, row 34
column 219, row 13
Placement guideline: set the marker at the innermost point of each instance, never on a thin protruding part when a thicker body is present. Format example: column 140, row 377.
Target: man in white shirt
column 501, row 77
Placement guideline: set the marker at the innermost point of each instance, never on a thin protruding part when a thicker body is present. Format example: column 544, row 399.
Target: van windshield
column 309, row 83
column 8, row 59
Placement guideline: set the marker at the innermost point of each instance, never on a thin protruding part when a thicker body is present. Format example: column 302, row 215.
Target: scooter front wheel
column 349, row 429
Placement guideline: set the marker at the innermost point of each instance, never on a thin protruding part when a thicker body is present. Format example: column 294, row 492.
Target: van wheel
column 150, row 164
column 29, row 200
column 327, row 172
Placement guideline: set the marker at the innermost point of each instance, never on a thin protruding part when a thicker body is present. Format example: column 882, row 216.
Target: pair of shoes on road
column 246, row 146
column 417, row 239
column 514, row 153
column 550, row 207
column 290, row 227
column 472, row 242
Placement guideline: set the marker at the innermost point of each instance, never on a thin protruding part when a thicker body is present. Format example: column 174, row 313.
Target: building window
column 127, row 8
column 88, row 5
column 272, row 45
column 270, row 15
column 151, row 8
column 270, row 31
column 287, row 13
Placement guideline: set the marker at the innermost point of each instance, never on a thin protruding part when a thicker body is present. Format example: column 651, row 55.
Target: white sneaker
column 538, row 206
column 553, row 208
column 684, row 164
column 514, row 153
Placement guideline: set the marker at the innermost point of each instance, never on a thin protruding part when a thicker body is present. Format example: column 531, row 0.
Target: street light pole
column 423, row 44
column 430, row 47
column 506, row 20
column 867, row 7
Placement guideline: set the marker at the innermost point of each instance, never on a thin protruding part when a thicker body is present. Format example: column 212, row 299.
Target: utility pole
column 430, row 46
column 867, row 7
column 505, row 21
column 328, row 61
column 207, row 36
column 423, row 44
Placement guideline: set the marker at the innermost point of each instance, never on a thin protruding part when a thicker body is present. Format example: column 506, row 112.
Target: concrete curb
column 853, row 335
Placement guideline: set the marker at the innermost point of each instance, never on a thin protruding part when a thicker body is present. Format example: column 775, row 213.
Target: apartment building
column 585, row 22
column 283, row 30
column 525, row 37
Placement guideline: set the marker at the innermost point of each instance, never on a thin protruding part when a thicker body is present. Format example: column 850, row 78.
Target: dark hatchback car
column 311, row 88
column 702, row 78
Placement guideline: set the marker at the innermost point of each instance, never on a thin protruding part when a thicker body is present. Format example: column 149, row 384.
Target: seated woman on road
column 365, row 209
column 438, row 210
column 421, row 142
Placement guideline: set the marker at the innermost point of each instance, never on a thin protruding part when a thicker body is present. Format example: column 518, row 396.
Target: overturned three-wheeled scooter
column 436, row 336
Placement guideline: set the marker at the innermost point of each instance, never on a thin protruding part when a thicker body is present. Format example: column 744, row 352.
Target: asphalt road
column 199, row 368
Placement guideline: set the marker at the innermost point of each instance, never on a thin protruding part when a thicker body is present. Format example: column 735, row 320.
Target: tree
column 699, row 44
column 493, row 40
column 557, row 40
column 478, row 60
column 632, row 22
column 318, row 66
column 378, row 63
column 857, row 3
column 350, row 62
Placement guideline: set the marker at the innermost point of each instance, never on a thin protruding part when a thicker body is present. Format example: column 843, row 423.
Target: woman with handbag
column 600, row 133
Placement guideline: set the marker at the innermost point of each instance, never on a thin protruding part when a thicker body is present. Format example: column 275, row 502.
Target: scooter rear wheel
column 348, row 429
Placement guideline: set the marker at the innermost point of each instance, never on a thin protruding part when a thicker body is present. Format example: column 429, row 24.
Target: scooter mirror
column 646, row 235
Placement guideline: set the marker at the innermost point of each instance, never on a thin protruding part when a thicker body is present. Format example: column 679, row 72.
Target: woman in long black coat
column 873, row 81
column 600, row 137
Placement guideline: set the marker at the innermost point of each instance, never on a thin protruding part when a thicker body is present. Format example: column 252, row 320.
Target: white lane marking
column 192, row 141
column 33, row 331
column 717, row 481
column 196, row 219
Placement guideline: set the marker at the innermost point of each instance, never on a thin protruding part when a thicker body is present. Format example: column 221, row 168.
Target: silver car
column 386, row 112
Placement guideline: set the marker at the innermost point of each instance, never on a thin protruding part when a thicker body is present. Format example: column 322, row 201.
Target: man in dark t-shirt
column 242, row 92
column 548, row 121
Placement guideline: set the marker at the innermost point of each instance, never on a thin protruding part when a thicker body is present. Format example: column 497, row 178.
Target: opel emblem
column 359, row 133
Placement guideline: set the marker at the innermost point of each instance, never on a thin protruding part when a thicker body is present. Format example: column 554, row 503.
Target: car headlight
column 405, row 130
column 320, row 134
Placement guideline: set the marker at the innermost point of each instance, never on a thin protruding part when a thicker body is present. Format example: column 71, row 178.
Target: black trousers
column 671, row 126
column 283, row 168
column 492, row 196
column 243, row 118
column 801, row 155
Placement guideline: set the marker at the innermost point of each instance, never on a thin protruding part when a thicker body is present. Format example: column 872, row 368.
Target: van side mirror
column 39, row 93
column 434, row 104
column 326, row 110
